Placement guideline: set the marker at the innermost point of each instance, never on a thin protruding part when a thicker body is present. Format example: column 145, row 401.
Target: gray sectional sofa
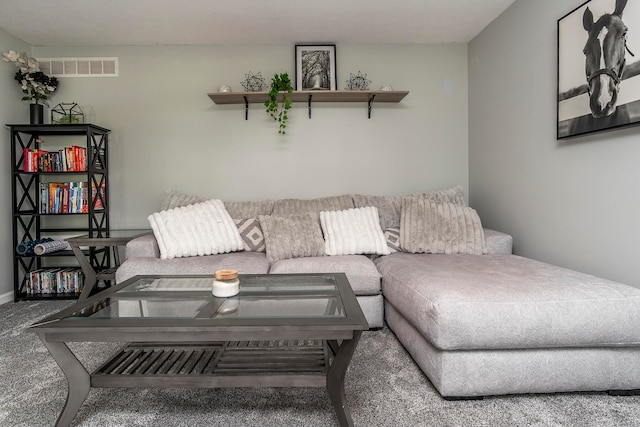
column 476, row 319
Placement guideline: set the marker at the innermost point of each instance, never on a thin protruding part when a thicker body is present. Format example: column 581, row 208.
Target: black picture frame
column 582, row 107
column 316, row 67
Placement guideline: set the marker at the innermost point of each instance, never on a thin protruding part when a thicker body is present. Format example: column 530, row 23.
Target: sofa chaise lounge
column 475, row 318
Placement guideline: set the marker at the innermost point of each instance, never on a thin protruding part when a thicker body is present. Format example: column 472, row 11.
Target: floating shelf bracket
column 370, row 105
column 246, row 108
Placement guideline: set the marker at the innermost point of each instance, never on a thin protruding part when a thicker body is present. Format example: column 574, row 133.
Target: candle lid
column 226, row 274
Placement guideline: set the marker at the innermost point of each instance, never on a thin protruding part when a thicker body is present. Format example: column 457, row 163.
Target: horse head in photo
column 605, row 58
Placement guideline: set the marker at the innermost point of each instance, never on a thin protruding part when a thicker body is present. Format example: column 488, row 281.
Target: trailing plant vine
column 280, row 87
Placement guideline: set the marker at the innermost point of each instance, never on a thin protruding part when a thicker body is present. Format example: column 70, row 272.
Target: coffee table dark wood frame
column 340, row 335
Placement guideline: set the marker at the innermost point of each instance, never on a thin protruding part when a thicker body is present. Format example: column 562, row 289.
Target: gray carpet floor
column 384, row 387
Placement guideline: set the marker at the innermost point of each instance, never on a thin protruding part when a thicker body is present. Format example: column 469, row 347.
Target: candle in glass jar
column 225, row 283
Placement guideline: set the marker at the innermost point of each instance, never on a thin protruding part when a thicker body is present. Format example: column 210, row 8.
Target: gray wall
column 168, row 134
column 11, row 111
column 576, row 203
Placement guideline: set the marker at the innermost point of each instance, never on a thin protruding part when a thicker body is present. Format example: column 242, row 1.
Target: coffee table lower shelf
column 297, row 363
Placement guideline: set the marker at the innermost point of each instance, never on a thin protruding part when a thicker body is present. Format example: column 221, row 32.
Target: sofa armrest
column 143, row 247
column 498, row 243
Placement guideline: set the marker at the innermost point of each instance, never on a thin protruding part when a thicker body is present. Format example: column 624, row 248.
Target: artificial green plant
column 278, row 109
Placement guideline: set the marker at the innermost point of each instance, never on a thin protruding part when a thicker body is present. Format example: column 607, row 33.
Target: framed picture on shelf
column 316, row 67
column 598, row 76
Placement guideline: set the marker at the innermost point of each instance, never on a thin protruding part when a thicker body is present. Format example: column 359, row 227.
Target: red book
column 76, row 159
column 83, row 159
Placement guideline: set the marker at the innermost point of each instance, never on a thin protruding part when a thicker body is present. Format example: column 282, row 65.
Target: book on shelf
column 67, row 159
column 55, row 281
column 31, row 159
column 69, row 197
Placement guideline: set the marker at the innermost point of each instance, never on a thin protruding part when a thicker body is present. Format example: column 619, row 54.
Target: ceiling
column 208, row 22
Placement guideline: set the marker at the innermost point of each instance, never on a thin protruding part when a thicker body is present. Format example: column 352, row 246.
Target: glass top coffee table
column 281, row 330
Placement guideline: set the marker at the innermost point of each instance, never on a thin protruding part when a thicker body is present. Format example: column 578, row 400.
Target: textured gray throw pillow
column 292, row 236
column 390, row 207
column 440, row 228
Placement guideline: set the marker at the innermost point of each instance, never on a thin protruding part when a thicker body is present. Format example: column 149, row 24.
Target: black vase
column 36, row 114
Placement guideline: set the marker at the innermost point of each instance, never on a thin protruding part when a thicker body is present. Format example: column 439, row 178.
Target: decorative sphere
column 224, row 89
column 386, row 88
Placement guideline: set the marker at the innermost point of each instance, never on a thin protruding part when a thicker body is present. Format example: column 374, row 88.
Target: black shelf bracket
column 246, row 108
column 370, row 105
column 310, row 105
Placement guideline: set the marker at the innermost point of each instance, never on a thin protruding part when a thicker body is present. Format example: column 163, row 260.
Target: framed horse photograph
column 316, row 67
column 598, row 74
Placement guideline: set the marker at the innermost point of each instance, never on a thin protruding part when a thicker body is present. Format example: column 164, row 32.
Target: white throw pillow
column 353, row 231
column 200, row 229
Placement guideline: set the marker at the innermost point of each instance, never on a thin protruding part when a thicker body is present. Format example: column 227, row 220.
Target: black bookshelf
column 30, row 222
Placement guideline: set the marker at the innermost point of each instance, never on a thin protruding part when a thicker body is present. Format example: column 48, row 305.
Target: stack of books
column 67, row 159
column 55, row 281
column 69, row 197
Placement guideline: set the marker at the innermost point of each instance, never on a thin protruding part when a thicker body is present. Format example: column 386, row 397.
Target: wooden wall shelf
column 309, row 96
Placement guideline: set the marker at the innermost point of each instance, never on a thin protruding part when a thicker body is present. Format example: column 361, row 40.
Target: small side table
column 111, row 239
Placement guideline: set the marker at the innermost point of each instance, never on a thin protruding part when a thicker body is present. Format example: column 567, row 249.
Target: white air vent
column 79, row 67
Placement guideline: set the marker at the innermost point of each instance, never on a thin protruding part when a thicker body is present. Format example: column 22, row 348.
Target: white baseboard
column 5, row 298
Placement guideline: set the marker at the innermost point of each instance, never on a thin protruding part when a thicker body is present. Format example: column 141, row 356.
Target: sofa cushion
column 498, row 242
column 292, row 236
column 174, row 199
column 199, row 229
column 251, row 233
column 430, row 227
column 389, row 208
column 244, row 262
column 295, row 206
column 453, row 195
column 244, row 210
column 145, row 246
column 467, row 302
column 353, row 231
column 360, row 270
